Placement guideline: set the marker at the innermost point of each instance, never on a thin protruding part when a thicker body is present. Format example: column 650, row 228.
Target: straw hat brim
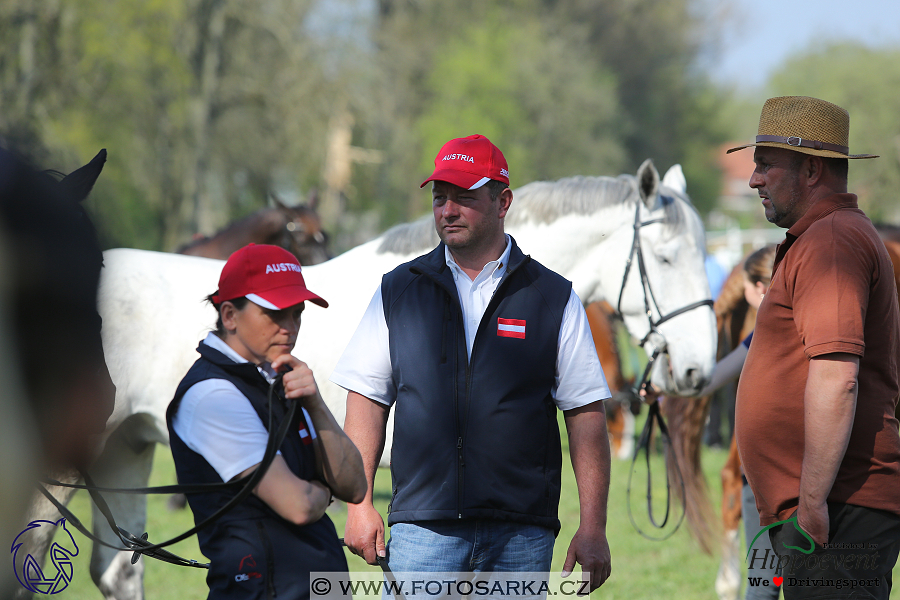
column 812, row 151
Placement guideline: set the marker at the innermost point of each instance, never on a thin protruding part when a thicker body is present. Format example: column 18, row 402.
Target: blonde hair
column 758, row 266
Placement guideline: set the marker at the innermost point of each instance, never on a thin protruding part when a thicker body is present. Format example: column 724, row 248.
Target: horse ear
column 80, row 182
column 312, row 199
column 674, row 179
column 648, row 183
column 277, row 201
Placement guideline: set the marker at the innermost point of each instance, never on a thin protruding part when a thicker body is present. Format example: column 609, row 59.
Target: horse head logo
column 28, row 570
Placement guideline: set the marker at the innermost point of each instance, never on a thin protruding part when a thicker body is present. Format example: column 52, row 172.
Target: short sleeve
column 365, row 365
column 579, row 376
column 831, row 292
column 217, row 421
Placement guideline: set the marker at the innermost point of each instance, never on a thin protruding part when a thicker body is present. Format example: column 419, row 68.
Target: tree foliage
column 206, row 106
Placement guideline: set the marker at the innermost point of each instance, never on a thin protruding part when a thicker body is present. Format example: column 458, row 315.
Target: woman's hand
column 299, row 381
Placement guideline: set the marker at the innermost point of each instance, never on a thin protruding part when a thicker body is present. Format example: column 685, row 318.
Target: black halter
column 654, row 414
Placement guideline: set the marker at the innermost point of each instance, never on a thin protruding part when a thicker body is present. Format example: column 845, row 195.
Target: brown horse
column 297, row 229
column 624, row 404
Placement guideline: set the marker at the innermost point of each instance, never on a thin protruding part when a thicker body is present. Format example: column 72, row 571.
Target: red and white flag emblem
column 514, row 328
column 304, row 435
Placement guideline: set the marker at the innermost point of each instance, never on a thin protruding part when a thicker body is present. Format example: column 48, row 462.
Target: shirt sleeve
column 217, row 421
column 579, row 376
column 365, row 366
column 830, row 292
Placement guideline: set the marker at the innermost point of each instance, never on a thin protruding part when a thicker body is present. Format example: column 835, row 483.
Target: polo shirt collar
column 822, row 208
column 217, row 343
column 495, row 268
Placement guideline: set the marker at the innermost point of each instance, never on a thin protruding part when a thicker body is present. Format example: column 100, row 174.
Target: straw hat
column 806, row 125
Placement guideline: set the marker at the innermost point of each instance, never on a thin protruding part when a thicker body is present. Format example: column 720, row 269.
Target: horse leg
column 615, row 425
column 125, row 462
column 728, row 579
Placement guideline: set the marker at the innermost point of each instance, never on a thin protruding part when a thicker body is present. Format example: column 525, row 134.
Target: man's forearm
column 829, row 410
column 365, row 424
column 589, row 449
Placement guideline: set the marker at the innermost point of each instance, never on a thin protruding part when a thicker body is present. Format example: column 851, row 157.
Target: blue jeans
column 469, row 546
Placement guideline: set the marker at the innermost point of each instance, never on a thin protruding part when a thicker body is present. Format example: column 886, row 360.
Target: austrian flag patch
column 514, row 328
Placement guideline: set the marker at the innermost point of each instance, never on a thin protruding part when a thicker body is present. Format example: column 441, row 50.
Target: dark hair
column 839, row 167
column 239, row 303
column 758, row 266
column 495, row 188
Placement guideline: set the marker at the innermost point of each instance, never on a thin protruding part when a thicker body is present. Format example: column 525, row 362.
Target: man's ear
column 505, row 200
column 814, row 169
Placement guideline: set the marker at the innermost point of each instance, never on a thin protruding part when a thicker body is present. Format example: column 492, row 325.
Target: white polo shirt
column 217, row 421
column 365, row 367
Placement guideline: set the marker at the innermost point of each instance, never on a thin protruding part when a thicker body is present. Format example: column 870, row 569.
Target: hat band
column 798, row 141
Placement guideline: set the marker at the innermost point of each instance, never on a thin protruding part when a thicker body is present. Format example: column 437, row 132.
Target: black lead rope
column 655, row 416
column 141, row 545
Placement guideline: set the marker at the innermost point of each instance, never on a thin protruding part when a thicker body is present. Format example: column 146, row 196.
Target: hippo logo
column 28, row 570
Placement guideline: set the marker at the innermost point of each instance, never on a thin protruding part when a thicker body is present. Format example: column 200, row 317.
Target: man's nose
column 756, row 180
column 451, row 208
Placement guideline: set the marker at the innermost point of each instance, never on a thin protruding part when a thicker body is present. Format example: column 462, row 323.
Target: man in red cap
column 476, row 345
column 269, row 543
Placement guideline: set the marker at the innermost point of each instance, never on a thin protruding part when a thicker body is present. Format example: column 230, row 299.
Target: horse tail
column 686, row 418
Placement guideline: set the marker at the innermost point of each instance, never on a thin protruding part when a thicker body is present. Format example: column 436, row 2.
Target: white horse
column 582, row 227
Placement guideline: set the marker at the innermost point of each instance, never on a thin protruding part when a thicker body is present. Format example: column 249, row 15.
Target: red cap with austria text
column 469, row 163
column 268, row 276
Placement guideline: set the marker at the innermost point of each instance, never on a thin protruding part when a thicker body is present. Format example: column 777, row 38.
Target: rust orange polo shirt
column 832, row 290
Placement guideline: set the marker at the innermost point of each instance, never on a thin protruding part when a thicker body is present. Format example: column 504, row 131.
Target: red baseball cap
column 268, row 276
column 469, row 163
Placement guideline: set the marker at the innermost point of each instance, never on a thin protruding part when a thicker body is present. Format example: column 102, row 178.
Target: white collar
column 217, row 343
column 496, row 267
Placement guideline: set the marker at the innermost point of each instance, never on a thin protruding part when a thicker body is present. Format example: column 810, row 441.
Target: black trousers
column 862, row 548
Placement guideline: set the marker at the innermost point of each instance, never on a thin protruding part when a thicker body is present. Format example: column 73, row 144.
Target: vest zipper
column 270, row 560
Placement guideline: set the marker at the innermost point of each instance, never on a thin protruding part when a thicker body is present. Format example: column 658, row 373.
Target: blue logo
column 28, row 570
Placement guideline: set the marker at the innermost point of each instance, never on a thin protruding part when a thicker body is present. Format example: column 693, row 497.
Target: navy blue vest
column 253, row 552
column 475, row 438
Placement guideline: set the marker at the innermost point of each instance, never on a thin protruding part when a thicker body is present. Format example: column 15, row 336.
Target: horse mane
column 545, row 202
column 408, row 238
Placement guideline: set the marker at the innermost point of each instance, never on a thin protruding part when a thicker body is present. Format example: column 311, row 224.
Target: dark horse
column 57, row 393
column 297, row 229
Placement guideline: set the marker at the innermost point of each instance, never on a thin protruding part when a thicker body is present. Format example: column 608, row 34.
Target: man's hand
column 590, row 549
column 364, row 533
column 814, row 521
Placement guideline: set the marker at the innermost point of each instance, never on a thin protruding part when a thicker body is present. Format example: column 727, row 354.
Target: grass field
column 671, row 569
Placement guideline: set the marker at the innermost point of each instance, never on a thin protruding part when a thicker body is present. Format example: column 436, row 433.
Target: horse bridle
column 636, row 250
column 654, row 415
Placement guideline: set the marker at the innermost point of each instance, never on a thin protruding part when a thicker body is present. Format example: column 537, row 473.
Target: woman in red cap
column 268, row 544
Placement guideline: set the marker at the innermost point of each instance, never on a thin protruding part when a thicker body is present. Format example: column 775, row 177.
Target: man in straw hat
column 815, row 411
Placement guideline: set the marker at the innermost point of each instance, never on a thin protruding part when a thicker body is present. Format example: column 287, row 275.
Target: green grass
column 672, row 569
